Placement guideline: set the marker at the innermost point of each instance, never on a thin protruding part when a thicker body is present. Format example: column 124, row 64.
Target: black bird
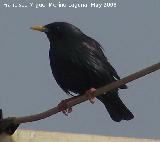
column 78, row 64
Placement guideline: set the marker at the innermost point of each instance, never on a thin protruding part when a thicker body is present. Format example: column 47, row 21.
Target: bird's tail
column 116, row 108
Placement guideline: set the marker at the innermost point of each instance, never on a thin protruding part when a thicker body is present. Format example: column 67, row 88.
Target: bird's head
column 58, row 30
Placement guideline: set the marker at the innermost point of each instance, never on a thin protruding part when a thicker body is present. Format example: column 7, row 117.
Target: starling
column 79, row 66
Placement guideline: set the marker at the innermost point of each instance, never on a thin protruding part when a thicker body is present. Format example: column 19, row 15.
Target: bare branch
column 84, row 97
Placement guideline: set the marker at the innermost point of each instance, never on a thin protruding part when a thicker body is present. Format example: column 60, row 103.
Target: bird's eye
column 58, row 27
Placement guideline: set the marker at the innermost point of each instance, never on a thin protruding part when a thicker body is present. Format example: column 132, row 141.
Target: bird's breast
column 67, row 70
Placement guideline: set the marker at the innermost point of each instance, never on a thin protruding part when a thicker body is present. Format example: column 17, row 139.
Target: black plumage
column 78, row 64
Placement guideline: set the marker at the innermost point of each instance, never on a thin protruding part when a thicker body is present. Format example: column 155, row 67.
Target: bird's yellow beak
column 38, row 28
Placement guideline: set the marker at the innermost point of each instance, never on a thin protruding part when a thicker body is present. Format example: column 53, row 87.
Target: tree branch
column 82, row 98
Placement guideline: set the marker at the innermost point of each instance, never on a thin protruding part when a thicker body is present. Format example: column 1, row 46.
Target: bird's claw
column 63, row 106
column 90, row 94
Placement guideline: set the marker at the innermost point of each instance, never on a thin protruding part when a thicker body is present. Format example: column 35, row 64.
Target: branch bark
column 10, row 124
column 83, row 98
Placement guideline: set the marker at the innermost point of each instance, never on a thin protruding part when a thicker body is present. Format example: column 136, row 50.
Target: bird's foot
column 90, row 94
column 63, row 106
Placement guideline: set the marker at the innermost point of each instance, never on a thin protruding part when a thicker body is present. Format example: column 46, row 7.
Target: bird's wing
column 95, row 49
column 99, row 63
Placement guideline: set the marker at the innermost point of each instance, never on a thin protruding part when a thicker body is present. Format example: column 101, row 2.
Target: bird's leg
column 90, row 94
column 63, row 106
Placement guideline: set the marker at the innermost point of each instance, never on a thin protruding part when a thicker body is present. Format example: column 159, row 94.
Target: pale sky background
column 130, row 36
